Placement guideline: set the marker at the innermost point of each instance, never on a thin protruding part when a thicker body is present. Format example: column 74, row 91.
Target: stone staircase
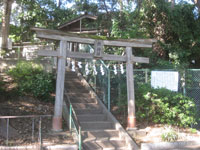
column 100, row 130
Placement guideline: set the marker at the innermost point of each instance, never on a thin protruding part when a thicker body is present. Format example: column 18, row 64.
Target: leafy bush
column 164, row 106
column 32, row 80
column 161, row 106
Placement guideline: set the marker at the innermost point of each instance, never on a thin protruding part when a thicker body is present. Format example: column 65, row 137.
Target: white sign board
column 165, row 79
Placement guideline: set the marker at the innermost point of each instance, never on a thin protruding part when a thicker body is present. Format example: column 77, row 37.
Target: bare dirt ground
column 13, row 105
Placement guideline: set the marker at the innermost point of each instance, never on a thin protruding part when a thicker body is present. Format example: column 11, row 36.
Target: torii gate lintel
column 64, row 52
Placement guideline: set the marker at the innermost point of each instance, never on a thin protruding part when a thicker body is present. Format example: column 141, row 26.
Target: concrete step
column 72, row 86
column 76, row 90
column 86, row 106
column 96, row 125
column 79, row 95
column 71, row 73
column 100, row 135
column 105, row 145
column 92, row 117
column 71, row 76
column 74, row 81
column 88, row 111
column 82, row 100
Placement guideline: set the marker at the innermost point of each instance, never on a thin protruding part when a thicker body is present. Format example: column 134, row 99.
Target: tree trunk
column 59, row 3
column 121, row 7
column 6, row 22
column 197, row 3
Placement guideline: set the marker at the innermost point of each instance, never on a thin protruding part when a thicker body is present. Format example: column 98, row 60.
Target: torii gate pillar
column 57, row 118
column 131, row 122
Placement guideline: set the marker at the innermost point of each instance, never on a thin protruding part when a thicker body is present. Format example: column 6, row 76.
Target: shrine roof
column 87, row 16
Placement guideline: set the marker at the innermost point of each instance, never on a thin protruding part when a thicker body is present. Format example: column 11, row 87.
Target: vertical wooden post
column 57, row 119
column 130, row 89
column 80, row 25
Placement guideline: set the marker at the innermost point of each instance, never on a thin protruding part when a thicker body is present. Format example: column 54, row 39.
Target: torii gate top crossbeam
column 58, row 35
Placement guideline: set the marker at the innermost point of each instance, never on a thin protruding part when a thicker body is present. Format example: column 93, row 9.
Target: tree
column 176, row 31
column 38, row 13
column 6, row 22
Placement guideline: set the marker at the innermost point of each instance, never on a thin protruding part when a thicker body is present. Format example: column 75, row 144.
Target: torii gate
column 64, row 53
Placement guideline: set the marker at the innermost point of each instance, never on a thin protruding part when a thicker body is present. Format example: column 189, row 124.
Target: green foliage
column 174, row 28
column 38, row 13
column 33, row 80
column 164, row 106
column 169, row 136
column 192, row 130
column 161, row 106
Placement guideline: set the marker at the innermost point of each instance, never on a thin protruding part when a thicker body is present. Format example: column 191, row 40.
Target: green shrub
column 164, row 106
column 32, row 80
column 161, row 106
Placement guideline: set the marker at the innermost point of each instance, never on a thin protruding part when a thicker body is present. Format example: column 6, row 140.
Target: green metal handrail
column 77, row 129
column 108, row 81
column 73, row 120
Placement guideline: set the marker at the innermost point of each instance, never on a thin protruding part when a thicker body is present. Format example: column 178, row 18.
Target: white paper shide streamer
column 79, row 64
column 94, row 69
column 73, row 66
column 107, row 66
column 68, row 61
column 87, row 69
column 122, row 69
column 115, row 69
column 102, row 70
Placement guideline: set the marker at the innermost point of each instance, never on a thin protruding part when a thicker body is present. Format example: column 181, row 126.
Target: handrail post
column 108, row 89
column 40, row 133
column 95, row 83
column 80, row 140
column 7, row 136
column 70, row 116
column 33, row 128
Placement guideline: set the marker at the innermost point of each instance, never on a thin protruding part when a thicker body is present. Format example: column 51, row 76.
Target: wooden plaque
column 98, row 48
